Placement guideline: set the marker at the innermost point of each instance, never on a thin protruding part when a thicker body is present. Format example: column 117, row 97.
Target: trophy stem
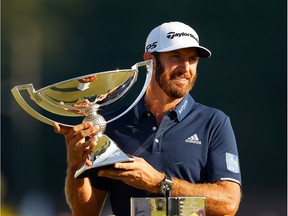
column 91, row 115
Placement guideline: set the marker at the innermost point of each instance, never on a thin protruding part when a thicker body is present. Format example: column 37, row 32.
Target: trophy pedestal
column 170, row 206
column 105, row 155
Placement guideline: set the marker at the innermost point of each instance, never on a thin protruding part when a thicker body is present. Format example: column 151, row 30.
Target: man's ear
column 148, row 56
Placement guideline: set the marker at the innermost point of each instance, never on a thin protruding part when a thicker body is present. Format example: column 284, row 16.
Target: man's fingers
column 86, row 129
column 87, row 146
column 56, row 127
column 60, row 129
column 82, row 130
column 82, row 126
column 93, row 143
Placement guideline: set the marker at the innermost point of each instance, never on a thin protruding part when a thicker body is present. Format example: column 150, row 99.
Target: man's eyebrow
column 179, row 53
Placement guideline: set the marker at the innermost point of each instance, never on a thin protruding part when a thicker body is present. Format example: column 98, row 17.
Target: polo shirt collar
column 184, row 107
column 181, row 110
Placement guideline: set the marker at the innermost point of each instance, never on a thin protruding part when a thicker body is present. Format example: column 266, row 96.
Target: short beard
column 165, row 85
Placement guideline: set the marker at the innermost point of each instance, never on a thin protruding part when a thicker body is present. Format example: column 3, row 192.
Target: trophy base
column 107, row 153
column 170, row 206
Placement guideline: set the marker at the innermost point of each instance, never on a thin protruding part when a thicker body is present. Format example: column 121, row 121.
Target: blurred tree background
column 47, row 41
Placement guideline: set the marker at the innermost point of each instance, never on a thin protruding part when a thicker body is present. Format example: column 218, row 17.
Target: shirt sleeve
column 223, row 159
column 101, row 183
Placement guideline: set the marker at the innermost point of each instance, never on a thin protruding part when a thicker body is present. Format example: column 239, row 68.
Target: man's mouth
column 180, row 78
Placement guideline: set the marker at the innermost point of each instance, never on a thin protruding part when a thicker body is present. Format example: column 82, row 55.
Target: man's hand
column 138, row 174
column 78, row 149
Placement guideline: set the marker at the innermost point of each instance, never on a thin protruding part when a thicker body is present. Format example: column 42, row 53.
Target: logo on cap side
column 171, row 35
column 151, row 46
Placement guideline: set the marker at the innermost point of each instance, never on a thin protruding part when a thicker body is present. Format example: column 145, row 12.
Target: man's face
column 176, row 73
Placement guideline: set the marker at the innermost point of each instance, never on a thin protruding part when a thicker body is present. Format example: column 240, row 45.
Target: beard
column 168, row 83
column 172, row 89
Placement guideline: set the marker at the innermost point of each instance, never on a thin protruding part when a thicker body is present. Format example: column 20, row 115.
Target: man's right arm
column 82, row 198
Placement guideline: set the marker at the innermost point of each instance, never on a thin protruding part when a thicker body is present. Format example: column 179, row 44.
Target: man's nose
column 185, row 65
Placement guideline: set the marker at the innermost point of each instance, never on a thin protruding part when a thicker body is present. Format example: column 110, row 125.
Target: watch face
column 165, row 186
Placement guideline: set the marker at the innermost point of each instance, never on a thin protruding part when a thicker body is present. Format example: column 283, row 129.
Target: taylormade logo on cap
column 172, row 36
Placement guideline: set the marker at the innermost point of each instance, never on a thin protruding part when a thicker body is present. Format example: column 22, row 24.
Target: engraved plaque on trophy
column 90, row 97
column 168, row 206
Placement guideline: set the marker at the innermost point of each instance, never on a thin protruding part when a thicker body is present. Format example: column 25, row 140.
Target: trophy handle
column 34, row 96
column 18, row 97
column 149, row 67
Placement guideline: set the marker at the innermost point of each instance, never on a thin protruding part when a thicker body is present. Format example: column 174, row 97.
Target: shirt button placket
column 157, row 146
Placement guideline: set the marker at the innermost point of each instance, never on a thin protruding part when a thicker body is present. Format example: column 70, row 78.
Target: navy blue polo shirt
column 194, row 142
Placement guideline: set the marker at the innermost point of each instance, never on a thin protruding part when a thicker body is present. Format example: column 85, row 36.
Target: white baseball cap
column 172, row 36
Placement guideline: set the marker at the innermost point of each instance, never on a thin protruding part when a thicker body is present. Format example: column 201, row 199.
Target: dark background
column 46, row 41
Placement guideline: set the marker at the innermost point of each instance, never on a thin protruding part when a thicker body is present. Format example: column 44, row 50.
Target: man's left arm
column 221, row 197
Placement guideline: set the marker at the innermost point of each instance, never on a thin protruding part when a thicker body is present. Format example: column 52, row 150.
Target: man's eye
column 193, row 59
column 176, row 57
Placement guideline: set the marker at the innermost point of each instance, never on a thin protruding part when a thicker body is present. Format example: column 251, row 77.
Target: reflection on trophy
column 86, row 96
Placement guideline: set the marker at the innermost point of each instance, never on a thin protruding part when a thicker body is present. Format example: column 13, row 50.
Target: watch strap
column 165, row 186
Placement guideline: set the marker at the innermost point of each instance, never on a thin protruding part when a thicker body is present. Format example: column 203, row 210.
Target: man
column 171, row 137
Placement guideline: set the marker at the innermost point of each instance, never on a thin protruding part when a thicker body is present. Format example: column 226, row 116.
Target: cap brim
column 202, row 51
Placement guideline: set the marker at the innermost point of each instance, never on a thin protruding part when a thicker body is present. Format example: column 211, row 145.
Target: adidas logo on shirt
column 193, row 139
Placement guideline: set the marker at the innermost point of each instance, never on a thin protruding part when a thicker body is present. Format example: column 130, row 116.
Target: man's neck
column 159, row 104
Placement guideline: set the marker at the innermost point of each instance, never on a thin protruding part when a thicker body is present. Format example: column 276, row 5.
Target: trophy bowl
column 91, row 97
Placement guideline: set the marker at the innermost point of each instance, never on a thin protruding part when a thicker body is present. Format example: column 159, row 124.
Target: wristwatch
column 165, row 186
